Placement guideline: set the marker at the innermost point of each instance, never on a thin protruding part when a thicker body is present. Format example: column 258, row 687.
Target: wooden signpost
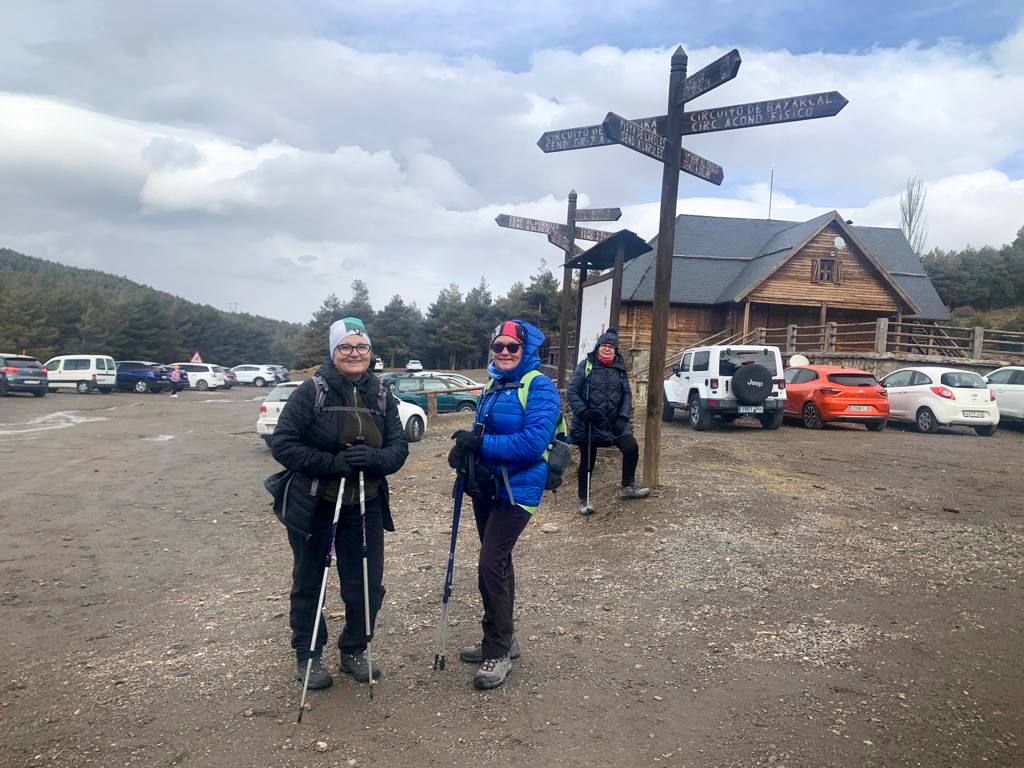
column 660, row 138
column 564, row 236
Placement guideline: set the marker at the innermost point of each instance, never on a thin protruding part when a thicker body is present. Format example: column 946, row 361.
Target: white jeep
column 728, row 382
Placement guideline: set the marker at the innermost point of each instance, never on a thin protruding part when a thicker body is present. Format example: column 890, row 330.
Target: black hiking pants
column 499, row 524
column 308, row 572
column 630, row 456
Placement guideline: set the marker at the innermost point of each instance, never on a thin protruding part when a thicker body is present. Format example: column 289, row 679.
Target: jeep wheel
column 811, row 416
column 771, row 419
column 700, row 418
column 752, row 384
column 667, row 411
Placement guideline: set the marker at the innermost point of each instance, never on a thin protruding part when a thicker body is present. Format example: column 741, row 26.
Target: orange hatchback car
column 818, row 394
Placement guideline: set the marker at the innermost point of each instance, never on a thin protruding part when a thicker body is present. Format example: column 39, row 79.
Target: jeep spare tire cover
column 752, row 384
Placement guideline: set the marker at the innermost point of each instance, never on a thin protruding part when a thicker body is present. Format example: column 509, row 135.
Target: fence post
column 431, row 403
column 791, row 339
column 978, row 342
column 830, row 336
column 881, row 334
column 762, row 335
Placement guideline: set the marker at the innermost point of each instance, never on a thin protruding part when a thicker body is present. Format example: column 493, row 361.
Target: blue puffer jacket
column 514, row 438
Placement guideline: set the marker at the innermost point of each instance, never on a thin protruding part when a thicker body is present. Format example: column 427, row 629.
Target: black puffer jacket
column 606, row 390
column 309, row 445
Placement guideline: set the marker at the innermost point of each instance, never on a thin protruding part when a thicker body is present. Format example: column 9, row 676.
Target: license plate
column 750, row 409
column 975, row 414
column 858, row 408
column 30, row 381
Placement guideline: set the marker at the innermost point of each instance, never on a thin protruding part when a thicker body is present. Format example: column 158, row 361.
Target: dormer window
column 826, row 270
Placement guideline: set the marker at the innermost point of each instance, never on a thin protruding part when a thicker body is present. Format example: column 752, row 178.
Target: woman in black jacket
column 601, row 403
column 341, row 422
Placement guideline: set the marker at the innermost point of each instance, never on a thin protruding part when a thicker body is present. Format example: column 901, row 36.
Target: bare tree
column 912, row 218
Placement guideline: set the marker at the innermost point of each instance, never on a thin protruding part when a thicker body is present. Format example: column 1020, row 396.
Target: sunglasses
column 511, row 347
column 348, row 349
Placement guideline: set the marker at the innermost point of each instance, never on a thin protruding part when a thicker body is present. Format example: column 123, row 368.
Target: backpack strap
column 321, row 393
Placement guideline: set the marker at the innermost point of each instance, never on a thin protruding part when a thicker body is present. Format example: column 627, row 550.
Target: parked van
column 83, row 373
column 202, row 376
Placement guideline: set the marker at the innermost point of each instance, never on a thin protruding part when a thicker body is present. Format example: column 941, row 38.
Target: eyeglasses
column 348, row 349
column 512, row 347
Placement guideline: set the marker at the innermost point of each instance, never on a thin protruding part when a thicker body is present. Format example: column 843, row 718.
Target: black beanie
column 611, row 336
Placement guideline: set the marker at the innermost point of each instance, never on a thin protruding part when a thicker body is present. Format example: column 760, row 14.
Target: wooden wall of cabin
column 861, row 286
column 687, row 324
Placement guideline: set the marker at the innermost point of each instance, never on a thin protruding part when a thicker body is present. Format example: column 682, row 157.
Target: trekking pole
column 368, row 630
column 446, row 593
column 590, row 468
column 320, row 604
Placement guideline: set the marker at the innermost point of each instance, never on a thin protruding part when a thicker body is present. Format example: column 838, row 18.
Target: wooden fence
column 879, row 337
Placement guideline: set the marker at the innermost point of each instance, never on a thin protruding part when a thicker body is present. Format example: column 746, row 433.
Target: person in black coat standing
column 341, row 422
column 601, row 403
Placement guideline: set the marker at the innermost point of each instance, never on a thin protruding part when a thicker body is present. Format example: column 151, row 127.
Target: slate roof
column 717, row 259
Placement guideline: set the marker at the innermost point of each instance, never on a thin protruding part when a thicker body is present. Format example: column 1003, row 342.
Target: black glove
column 591, row 416
column 467, row 442
column 621, row 424
column 340, row 466
column 362, row 456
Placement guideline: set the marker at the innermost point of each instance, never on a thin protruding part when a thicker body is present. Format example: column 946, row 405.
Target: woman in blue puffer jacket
column 510, row 441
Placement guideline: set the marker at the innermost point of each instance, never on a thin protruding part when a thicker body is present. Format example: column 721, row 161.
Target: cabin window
column 826, row 270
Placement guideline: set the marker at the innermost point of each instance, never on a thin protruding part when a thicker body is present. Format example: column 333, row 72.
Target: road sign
column 560, row 240
column 769, row 112
column 529, row 225
column 546, row 227
column 713, row 75
column 196, row 357
column 636, row 137
column 598, row 214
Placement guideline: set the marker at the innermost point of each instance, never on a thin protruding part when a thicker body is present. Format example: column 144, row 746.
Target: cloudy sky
column 268, row 157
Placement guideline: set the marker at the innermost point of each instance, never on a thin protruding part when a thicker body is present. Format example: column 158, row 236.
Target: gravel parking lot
column 789, row 598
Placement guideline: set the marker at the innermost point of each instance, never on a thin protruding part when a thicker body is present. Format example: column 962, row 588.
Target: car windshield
column 280, row 393
column 853, row 379
column 729, row 360
column 963, row 380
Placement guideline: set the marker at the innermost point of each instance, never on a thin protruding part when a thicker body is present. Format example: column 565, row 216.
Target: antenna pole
column 771, row 189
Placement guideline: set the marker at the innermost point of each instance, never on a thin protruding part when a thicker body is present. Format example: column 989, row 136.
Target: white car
column 727, row 382
column 202, row 376
column 1008, row 384
column 931, row 397
column 82, row 373
column 257, row 375
column 414, row 365
column 414, row 420
column 457, row 378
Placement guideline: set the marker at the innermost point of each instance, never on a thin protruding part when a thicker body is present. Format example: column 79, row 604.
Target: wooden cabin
column 740, row 274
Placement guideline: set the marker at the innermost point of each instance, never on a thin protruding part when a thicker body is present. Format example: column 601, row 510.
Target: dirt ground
column 789, row 598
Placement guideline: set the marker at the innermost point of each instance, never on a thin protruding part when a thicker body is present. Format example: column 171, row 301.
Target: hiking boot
column 356, row 665
column 585, row 509
column 319, row 677
column 471, row 654
column 492, row 672
column 632, row 492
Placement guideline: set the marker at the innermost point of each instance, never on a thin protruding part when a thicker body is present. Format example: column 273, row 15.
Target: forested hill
column 48, row 309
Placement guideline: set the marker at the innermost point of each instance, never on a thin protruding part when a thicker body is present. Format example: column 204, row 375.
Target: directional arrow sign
column 636, row 137
column 530, row 225
column 557, row 238
column 546, row 227
column 713, row 75
column 770, row 112
column 598, row 214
